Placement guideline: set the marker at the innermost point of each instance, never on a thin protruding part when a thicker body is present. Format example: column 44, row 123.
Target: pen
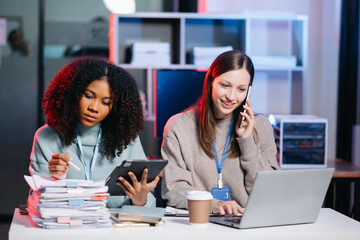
column 73, row 165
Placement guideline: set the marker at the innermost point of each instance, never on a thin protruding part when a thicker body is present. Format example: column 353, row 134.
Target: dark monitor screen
column 176, row 90
column 304, row 143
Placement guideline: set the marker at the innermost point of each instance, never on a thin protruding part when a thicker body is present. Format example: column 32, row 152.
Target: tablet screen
column 137, row 167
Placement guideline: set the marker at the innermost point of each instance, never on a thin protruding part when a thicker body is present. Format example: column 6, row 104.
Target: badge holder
column 221, row 193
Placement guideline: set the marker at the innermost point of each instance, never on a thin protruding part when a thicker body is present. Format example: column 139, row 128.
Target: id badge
column 222, row 194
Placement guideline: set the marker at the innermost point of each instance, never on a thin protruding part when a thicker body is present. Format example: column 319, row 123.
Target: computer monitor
column 303, row 143
column 175, row 91
column 301, row 140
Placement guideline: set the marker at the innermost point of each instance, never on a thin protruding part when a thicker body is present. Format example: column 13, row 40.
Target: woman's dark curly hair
column 61, row 101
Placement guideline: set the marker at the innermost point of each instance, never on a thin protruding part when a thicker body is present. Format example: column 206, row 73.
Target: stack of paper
column 204, row 56
column 68, row 203
column 153, row 53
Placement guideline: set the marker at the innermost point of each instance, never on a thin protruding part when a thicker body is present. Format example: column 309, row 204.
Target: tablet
column 137, row 167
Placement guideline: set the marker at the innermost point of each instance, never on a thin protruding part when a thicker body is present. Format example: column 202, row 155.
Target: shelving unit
column 278, row 88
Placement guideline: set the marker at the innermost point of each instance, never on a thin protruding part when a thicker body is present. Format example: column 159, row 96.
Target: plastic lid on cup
column 199, row 195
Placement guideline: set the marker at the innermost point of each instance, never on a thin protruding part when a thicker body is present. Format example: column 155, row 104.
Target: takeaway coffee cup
column 199, row 204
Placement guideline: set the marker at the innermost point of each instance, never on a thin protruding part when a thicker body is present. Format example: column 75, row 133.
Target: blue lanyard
column 88, row 172
column 218, row 165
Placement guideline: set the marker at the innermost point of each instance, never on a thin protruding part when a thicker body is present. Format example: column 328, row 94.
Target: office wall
column 18, row 96
column 324, row 29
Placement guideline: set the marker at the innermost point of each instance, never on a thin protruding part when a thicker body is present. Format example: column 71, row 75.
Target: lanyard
column 219, row 166
column 88, row 172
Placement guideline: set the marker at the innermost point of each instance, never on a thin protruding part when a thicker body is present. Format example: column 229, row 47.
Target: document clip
column 76, row 202
column 72, row 184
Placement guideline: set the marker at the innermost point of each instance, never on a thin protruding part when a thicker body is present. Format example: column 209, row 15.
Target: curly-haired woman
column 94, row 115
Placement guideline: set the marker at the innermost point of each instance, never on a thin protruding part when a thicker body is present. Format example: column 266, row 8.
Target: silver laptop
column 282, row 197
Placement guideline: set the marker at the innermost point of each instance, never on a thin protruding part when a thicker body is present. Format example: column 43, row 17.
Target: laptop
column 282, row 197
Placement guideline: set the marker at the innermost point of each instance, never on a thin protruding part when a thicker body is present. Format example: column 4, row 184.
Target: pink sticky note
column 76, row 222
column 63, row 219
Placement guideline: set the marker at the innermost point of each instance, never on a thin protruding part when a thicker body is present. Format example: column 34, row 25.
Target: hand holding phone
column 247, row 97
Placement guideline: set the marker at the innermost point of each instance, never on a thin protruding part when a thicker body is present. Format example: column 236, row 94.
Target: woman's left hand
column 137, row 191
column 246, row 128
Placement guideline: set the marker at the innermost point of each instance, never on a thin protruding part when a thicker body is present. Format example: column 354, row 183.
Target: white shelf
column 277, row 89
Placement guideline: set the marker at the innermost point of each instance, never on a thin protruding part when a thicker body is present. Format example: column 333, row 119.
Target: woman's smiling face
column 229, row 91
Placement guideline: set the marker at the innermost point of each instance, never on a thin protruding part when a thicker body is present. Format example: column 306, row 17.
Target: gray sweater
column 48, row 141
column 190, row 168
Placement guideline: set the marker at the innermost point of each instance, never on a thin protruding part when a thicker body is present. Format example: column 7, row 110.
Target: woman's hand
column 58, row 165
column 227, row 207
column 246, row 128
column 138, row 191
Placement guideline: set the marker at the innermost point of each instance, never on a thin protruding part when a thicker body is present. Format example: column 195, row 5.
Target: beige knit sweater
column 190, row 168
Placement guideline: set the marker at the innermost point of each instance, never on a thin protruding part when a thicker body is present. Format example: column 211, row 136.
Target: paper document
column 171, row 211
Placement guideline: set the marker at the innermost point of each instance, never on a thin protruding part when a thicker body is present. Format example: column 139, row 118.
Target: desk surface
column 344, row 169
column 329, row 225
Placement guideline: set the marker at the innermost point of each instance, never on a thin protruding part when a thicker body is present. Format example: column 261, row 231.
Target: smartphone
column 247, row 97
column 137, row 167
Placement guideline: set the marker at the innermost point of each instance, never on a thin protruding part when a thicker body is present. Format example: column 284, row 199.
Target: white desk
column 330, row 225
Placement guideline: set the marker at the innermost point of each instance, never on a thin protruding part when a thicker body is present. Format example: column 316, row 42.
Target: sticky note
column 72, row 184
column 76, row 222
column 63, row 219
column 76, row 202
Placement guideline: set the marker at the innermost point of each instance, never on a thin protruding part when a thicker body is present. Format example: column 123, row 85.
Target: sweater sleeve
column 258, row 152
column 177, row 178
column 38, row 160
